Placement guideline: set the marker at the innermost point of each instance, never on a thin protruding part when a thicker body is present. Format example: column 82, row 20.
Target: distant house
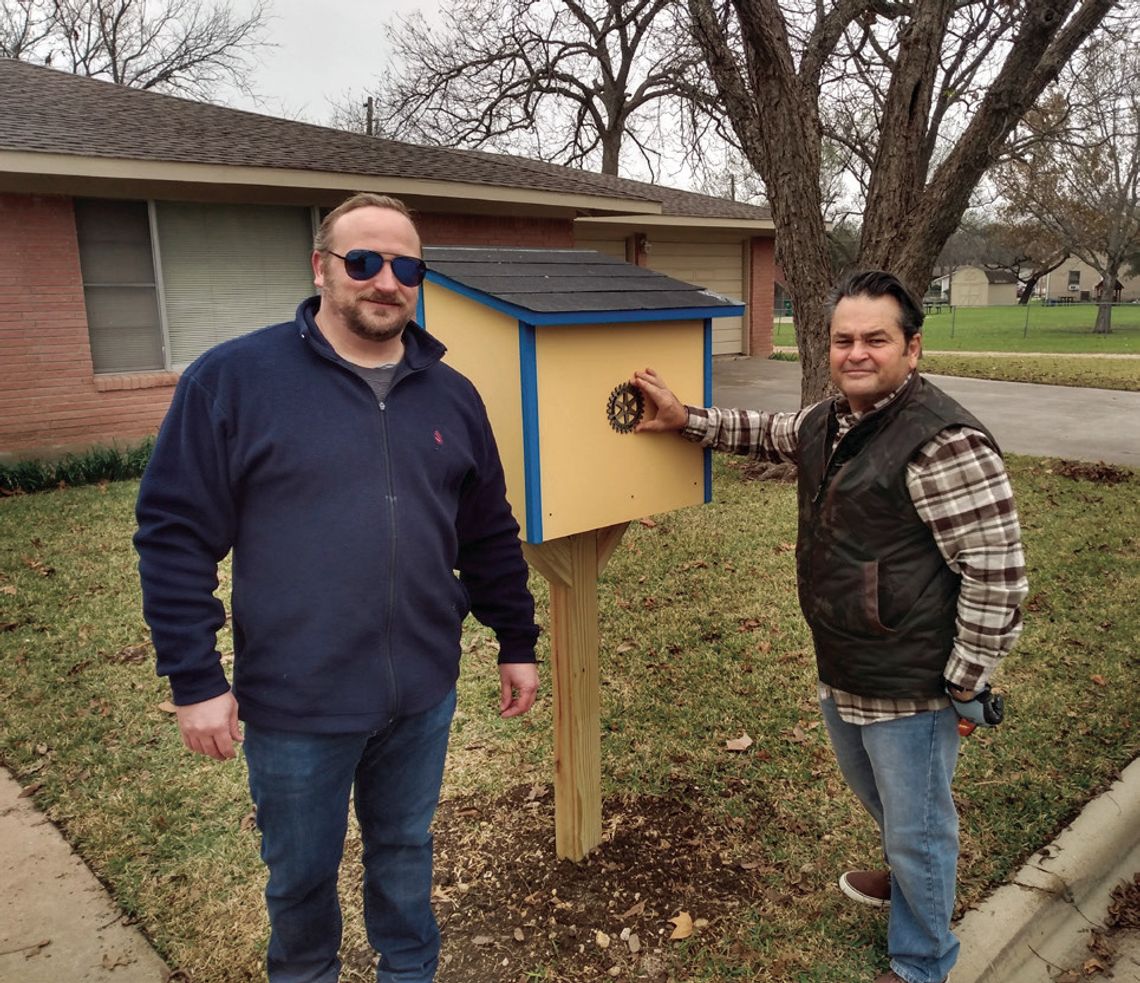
column 138, row 229
column 1074, row 281
column 974, row 286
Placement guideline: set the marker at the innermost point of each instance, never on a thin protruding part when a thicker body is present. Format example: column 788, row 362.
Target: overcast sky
column 323, row 50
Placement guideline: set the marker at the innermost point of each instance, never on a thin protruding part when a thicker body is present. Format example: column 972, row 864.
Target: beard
column 355, row 318
column 372, row 332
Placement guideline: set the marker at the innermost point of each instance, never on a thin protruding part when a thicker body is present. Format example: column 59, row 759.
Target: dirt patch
column 766, row 471
column 510, row 911
column 1099, row 472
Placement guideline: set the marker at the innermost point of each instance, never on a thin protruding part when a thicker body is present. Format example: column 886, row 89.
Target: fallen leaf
column 133, row 653
column 30, row 790
column 483, row 940
column 1091, row 966
column 625, row 647
column 520, row 936
column 249, row 820
column 741, row 743
column 167, row 707
column 1099, row 680
column 637, row 909
column 37, row 567
column 9, row 589
column 684, row 927
column 648, row 523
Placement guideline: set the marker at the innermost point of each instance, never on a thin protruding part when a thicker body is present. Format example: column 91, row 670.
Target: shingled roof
column 561, row 281
column 47, row 111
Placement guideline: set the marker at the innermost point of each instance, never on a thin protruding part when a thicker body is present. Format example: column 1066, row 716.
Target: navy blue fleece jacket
column 346, row 520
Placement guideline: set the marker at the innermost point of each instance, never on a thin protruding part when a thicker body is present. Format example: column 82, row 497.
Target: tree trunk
column 611, row 151
column 1108, row 278
column 1103, row 317
column 1027, row 290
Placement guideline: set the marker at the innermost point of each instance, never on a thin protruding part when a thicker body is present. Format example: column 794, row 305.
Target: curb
column 1041, row 918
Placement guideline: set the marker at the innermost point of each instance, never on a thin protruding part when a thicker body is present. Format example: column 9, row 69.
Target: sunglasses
column 364, row 264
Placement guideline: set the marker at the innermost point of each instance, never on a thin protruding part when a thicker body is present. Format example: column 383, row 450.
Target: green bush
column 89, row 468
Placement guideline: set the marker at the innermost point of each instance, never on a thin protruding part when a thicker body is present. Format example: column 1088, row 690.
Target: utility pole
column 368, row 124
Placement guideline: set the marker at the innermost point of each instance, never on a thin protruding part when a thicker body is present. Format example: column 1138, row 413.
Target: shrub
column 89, row 468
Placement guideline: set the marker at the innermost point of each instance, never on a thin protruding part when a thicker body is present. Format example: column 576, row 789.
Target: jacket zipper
column 390, row 497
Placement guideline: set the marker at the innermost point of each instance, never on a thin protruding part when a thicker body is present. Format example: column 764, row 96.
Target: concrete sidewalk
column 56, row 921
column 1026, row 418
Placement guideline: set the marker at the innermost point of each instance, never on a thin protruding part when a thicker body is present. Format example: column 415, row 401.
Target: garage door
column 716, row 266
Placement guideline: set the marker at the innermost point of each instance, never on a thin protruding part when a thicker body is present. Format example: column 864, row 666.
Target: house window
column 1074, row 279
column 229, row 269
column 118, row 284
column 222, row 271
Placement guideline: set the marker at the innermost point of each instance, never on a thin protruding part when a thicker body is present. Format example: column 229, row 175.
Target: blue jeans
column 300, row 784
column 901, row 771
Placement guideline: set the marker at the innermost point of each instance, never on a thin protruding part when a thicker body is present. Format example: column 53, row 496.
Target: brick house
column 138, row 229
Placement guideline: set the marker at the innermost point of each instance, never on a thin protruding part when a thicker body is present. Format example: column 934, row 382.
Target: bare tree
column 1026, row 248
column 563, row 80
column 186, row 47
column 24, row 25
column 1083, row 184
column 939, row 87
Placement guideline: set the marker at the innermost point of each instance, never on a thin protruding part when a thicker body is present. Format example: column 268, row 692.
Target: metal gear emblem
column 625, row 407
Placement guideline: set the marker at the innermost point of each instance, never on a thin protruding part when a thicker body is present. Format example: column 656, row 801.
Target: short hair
column 362, row 199
column 878, row 283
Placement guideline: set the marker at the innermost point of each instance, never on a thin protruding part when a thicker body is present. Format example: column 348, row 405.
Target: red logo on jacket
column 438, row 437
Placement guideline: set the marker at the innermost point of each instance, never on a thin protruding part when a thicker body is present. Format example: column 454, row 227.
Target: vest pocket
column 870, row 599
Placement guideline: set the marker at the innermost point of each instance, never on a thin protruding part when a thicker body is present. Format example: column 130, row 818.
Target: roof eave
column 620, row 222
column 40, row 168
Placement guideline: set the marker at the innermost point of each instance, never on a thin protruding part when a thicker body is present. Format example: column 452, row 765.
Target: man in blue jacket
column 351, row 474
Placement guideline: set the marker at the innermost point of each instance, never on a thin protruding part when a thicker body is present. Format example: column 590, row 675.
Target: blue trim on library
column 532, row 465
column 708, row 398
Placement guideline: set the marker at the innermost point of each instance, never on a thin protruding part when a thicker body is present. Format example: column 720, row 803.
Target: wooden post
column 572, row 565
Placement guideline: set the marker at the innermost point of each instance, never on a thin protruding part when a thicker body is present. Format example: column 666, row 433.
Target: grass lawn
column 1035, row 328
column 1064, row 328
column 701, row 641
column 1096, row 372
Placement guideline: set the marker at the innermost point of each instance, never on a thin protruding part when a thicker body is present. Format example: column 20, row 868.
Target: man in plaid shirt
column 910, row 573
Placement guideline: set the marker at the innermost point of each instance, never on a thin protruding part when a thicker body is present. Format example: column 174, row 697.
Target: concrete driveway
column 1026, row 418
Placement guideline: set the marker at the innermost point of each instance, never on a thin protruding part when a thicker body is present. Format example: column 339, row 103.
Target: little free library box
column 550, row 337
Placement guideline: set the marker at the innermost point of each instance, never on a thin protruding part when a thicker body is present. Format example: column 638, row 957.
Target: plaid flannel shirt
column 959, row 488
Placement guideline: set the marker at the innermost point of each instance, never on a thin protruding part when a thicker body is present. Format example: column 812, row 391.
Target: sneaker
column 869, row 887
